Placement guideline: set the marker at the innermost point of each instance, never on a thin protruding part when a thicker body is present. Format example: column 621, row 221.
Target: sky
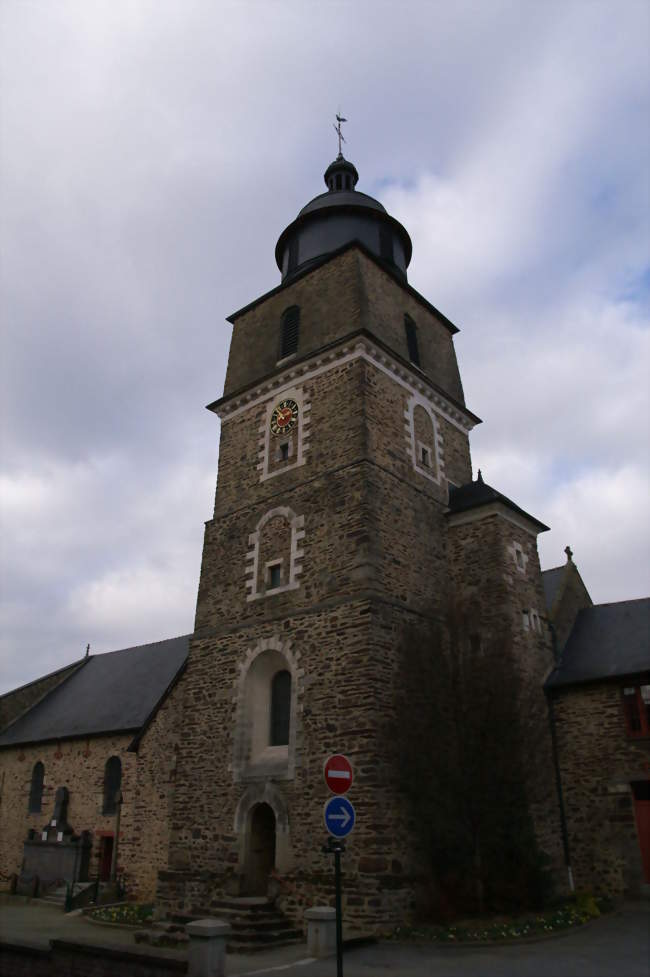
column 150, row 155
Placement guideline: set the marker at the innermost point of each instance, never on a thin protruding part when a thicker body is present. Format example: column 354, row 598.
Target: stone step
column 253, row 904
column 275, row 922
column 266, row 936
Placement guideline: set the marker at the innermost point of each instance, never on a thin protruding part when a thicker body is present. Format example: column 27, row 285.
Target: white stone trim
column 435, row 473
column 302, row 435
column 516, row 551
column 363, row 349
column 253, row 555
column 242, row 767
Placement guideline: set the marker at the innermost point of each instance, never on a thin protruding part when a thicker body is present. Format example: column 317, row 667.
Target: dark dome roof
column 336, row 218
column 350, row 197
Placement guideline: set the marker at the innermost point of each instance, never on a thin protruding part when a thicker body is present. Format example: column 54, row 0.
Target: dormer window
column 412, row 340
column 290, row 331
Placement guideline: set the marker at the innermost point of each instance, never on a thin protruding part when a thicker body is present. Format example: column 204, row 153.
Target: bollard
column 207, row 949
column 321, row 931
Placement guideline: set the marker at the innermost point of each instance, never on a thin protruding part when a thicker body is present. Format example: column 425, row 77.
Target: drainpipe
column 118, row 801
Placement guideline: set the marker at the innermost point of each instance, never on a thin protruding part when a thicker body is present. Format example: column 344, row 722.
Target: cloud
column 152, row 154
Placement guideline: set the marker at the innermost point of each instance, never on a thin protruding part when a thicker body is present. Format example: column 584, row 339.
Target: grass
column 496, row 929
column 126, row 914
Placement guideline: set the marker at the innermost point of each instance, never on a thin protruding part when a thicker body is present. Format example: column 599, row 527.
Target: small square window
column 275, row 576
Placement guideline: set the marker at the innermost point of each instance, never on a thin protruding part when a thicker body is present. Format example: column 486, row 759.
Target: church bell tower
column 343, row 428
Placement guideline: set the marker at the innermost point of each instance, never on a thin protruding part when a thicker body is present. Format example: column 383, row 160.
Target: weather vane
column 339, row 119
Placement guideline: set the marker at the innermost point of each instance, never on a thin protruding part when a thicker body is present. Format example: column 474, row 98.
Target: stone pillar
column 321, row 931
column 207, row 949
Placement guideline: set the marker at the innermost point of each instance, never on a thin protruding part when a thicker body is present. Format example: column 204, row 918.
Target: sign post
column 339, row 816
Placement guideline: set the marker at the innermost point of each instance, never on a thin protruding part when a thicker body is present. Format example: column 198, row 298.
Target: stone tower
column 343, row 428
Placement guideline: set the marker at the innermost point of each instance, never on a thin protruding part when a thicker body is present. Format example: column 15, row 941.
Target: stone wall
column 497, row 579
column 572, row 599
column 63, row 958
column 598, row 762
column 78, row 764
column 347, row 293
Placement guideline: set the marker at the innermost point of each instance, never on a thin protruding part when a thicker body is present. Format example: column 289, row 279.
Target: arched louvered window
column 412, row 340
column 280, row 708
column 112, row 783
column 36, row 789
column 290, row 331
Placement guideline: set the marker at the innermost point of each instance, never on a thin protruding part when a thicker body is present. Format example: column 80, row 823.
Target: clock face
column 284, row 417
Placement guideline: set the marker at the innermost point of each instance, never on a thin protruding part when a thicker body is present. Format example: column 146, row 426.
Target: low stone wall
column 68, row 959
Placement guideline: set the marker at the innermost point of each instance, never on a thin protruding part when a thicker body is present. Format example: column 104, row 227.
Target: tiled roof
column 479, row 493
column 607, row 641
column 113, row 692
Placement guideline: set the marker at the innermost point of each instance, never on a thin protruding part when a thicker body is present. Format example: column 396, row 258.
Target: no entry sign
column 338, row 773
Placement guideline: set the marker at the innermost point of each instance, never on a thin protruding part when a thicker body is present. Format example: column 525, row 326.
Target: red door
column 641, row 789
column 105, row 858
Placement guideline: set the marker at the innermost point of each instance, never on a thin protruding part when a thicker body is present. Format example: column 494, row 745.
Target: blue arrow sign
column 339, row 816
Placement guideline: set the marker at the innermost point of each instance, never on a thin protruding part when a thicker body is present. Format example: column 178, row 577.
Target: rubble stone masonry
column 598, row 764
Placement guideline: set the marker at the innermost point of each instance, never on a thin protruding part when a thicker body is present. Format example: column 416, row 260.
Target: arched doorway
column 261, row 850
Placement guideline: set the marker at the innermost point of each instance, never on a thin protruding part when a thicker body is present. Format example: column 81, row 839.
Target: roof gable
column 607, row 641
column 112, row 692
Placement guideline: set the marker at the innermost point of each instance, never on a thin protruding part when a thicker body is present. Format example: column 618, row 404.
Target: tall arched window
column 290, row 331
column 36, row 789
column 112, row 783
column 280, row 708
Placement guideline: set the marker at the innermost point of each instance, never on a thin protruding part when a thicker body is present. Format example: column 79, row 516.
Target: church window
column 280, row 708
column 290, row 331
column 525, row 620
column 36, row 789
column 425, row 457
column 636, row 707
column 284, row 451
column 112, row 784
column 274, row 575
column 412, row 340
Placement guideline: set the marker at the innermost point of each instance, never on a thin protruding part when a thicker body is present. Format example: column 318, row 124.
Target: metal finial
column 339, row 119
column 479, row 477
column 87, row 650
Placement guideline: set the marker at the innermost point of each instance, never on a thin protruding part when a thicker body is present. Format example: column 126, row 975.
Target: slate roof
column 114, row 692
column 479, row 493
column 552, row 580
column 607, row 641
